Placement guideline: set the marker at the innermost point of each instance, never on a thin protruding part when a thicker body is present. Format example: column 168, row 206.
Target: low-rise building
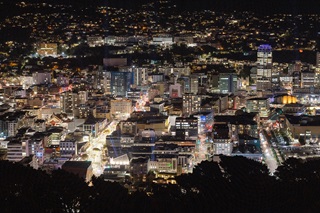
column 222, row 143
column 81, row 168
column 120, row 108
column 260, row 105
column 306, row 129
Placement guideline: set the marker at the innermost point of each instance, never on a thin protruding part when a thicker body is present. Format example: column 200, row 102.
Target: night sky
column 260, row 6
column 263, row 7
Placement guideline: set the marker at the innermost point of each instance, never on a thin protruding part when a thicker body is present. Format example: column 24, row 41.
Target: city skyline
column 128, row 105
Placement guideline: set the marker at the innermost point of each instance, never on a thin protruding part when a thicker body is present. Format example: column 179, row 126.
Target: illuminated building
column 128, row 127
column 222, row 143
column 41, row 78
column 156, row 77
column 116, row 40
column 289, row 99
column 139, row 167
column 140, row 76
column 62, row 80
column 120, row 82
column 296, row 79
column 175, row 91
column 164, row 165
column 84, row 110
column 194, row 84
column 205, row 121
column 93, row 126
column 16, row 149
column 264, row 67
column 307, row 79
column 247, row 123
column 185, row 84
column 10, row 122
column 306, row 129
column 69, row 103
column 260, row 105
column 263, row 84
column 94, row 41
column 120, row 108
column 285, row 99
column 296, row 67
column 228, row 82
column 191, row 103
column 68, row 148
column 294, row 108
column 187, row 127
column 47, row 49
column 183, row 39
column 163, row 40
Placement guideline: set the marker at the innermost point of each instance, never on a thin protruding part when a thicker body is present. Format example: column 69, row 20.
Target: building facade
column 264, row 67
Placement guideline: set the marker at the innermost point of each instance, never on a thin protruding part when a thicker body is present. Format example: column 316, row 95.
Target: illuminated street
column 269, row 157
column 97, row 149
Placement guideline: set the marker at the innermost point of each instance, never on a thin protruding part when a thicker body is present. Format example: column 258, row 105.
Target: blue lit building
column 120, row 82
column 205, row 121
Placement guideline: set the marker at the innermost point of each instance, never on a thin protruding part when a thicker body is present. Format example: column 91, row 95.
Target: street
column 97, row 149
column 269, row 157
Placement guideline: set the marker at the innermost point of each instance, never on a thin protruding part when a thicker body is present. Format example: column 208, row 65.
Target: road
column 269, row 157
column 202, row 148
column 97, row 149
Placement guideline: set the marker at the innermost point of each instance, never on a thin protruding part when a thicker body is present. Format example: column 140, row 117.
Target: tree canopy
column 230, row 185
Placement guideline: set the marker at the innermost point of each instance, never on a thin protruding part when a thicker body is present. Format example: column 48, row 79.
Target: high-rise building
column 264, row 67
column 194, row 84
column 120, row 82
column 69, row 102
column 191, row 103
column 140, row 75
column 228, row 82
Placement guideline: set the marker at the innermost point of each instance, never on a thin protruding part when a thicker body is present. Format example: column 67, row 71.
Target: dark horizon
column 260, row 7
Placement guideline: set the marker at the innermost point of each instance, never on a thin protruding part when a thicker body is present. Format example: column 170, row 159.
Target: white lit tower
column 264, row 67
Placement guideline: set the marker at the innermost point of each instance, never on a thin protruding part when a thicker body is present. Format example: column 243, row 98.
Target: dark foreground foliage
column 235, row 184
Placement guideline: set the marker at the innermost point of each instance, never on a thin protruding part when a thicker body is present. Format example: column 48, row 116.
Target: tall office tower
column 140, row 75
column 191, row 103
column 228, row 82
column 70, row 101
column 264, row 67
column 120, row 82
column 194, row 84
